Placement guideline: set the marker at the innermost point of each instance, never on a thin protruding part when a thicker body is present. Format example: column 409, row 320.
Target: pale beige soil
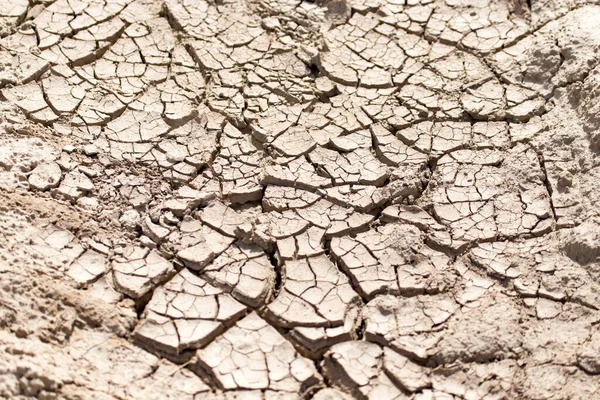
column 280, row 199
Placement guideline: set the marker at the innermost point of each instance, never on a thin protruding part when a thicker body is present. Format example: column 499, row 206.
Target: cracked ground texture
column 288, row 199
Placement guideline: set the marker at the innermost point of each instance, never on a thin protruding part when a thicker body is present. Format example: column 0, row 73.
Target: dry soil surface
column 282, row 199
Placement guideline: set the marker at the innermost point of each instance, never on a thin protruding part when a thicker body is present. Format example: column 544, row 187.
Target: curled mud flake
column 139, row 270
column 305, row 244
column 88, row 267
column 20, row 68
column 358, row 54
column 392, row 259
column 356, row 140
column 98, row 108
column 245, row 271
column 362, row 198
column 316, row 302
column 275, row 121
column 186, row 198
column 357, row 367
column 298, row 172
column 393, row 151
column 155, row 232
column 336, row 220
column 198, row 244
column 280, row 225
column 439, row 138
column 411, row 215
column 369, row 276
column 222, row 218
column 185, row 313
column 405, row 373
column 14, row 9
column 281, row 198
column 547, row 309
column 239, row 165
column 73, row 186
column 485, row 101
column 358, row 167
column 30, row 99
column 294, row 142
column 136, row 127
column 253, row 355
column 63, row 95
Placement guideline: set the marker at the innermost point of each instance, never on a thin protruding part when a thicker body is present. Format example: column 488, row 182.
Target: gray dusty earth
column 283, row 199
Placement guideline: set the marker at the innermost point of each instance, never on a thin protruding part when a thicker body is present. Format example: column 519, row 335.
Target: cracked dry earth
column 281, row 199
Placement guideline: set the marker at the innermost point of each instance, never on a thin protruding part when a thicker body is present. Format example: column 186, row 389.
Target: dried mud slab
column 268, row 199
